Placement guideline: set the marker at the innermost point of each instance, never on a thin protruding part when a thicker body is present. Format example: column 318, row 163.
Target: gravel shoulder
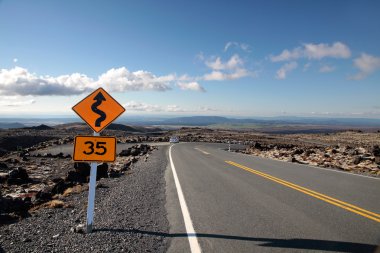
column 130, row 216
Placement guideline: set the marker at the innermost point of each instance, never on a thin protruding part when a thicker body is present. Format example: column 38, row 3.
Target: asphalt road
column 251, row 204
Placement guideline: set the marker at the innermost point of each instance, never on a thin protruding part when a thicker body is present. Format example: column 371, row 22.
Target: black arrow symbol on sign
column 99, row 98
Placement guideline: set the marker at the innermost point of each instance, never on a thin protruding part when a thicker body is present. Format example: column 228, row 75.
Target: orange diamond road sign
column 98, row 109
column 94, row 148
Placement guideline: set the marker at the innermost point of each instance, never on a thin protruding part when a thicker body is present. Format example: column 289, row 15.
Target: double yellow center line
column 333, row 201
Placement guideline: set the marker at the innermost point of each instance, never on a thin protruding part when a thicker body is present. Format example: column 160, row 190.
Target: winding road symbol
column 99, row 109
column 94, row 107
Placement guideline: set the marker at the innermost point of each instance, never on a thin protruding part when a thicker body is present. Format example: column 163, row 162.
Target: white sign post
column 98, row 110
column 91, row 194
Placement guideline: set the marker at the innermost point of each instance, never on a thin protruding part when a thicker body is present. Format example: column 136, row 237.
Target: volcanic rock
column 78, row 229
column 309, row 152
column 102, row 171
column 3, row 177
column 42, row 196
column 298, row 152
column 3, row 166
column 125, row 152
column 357, row 160
column 135, row 151
column 83, row 169
column 18, row 176
column 60, row 187
column 14, row 205
column 376, row 150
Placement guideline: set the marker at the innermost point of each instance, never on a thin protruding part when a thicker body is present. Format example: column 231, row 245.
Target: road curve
column 241, row 203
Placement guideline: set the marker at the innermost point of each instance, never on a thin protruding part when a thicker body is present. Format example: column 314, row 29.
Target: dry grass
column 74, row 189
column 52, row 204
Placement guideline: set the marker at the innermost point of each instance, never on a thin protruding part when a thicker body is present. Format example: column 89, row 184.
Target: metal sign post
column 98, row 110
column 91, row 194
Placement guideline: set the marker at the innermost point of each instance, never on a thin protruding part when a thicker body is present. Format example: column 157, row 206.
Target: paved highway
column 219, row 201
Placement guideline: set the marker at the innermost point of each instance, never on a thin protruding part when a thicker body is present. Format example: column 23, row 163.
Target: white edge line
column 191, row 235
column 204, row 152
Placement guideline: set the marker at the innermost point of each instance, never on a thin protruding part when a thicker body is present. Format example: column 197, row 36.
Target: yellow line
column 333, row 201
column 314, row 192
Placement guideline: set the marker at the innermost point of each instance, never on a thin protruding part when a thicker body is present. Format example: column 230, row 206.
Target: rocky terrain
column 30, row 138
column 353, row 151
column 130, row 214
column 29, row 181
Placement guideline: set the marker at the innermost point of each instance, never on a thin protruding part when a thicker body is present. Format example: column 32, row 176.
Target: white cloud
column 314, row 52
column 16, row 101
column 287, row 55
column 366, row 64
column 215, row 76
column 15, row 60
column 144, row 107
column 19, row 81
column 243, row 46
column 220, row 76
column 283, row 71
column 185, row 78
column 326, row 69
column 234, row 62
column 319, row 51
column 200, row 56
column 194, row 86
column 134, row 106
column 232, row 69
column 306, row 66
column 206, row 109
column 174, row 108
column 139, row 106
column 121, row 79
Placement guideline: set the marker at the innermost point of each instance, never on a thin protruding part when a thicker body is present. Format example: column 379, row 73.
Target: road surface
column 231, row 202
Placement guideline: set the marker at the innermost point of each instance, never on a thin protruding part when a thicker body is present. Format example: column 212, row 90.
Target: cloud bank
column 135, row 106
column 144, row 107
column 285, row 69
column 16, row 101
column 314, row 52
column 243, row 46
column 326, row 69
column 366, row 64
column 232, row 69
column 19, row 81
column 194, row 86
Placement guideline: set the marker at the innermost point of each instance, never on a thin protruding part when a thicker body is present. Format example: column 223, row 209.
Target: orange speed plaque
column 94, row 149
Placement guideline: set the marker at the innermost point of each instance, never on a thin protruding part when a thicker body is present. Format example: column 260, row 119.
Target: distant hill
column 11, row 125
column 196, row 121
column 122, row 127
column 113, row 126
column 40, row 127
column 138, row 129
column 74, row 125
column 149, row 124
column 216, row 120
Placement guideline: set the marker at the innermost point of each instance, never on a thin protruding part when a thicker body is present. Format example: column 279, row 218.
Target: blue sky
column 234, row 58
